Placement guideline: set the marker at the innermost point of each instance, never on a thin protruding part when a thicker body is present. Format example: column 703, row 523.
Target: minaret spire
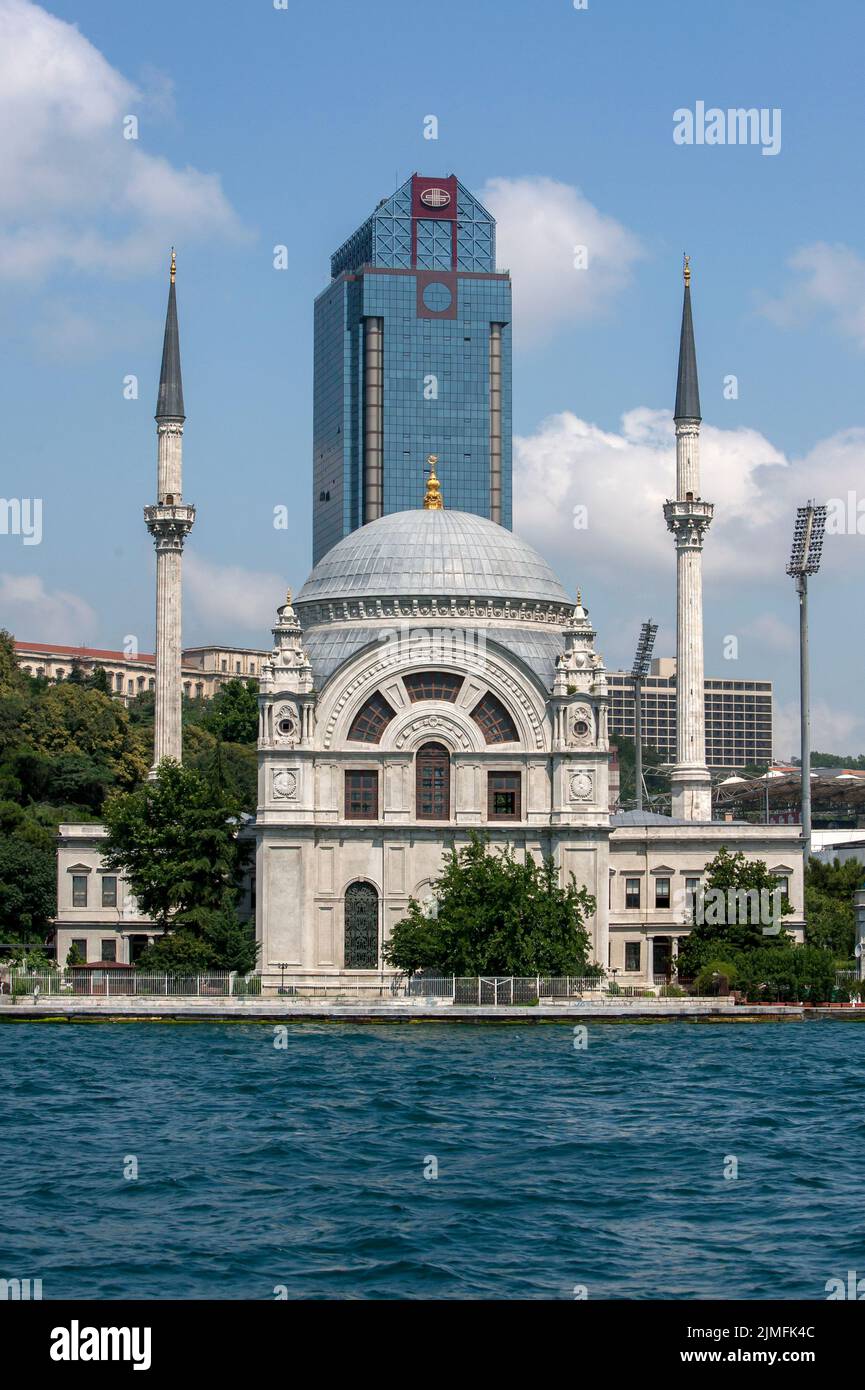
column 687, row 387
column 689, row 517
column 169, row 405
column 169, row 523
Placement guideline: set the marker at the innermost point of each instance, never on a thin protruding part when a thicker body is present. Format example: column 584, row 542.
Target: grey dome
column 426, row 553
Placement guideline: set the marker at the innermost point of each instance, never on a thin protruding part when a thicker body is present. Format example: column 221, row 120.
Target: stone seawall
column 94, row 1009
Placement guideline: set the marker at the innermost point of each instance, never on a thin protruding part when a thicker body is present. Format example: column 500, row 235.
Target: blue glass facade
column 436, row 378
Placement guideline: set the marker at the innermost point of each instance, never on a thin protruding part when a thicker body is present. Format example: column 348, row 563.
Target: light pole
column 804, row 560
column 639, row 671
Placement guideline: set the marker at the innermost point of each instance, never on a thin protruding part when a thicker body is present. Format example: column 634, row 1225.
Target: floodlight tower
column 805, row 558
column 639, row 671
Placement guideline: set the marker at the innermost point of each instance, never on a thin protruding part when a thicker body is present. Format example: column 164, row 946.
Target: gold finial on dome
column 288, row 597
column 686, row 270
column 433, row 496
column 173, row 265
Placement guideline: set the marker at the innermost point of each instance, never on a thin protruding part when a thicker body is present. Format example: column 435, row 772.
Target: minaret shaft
column 689, row 517
column 169, row 523
column 167, row 734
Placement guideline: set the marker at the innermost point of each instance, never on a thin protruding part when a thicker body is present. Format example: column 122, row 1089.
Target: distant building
column 738, row 715
column 204, row 669
column 412, row 357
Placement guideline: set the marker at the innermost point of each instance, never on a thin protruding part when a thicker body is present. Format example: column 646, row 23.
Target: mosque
column 434, row 678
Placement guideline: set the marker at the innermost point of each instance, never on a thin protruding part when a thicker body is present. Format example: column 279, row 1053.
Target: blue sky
column 260, row 127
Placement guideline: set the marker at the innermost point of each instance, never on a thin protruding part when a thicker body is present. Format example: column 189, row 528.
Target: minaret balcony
column 689, row 520
column 169, row 523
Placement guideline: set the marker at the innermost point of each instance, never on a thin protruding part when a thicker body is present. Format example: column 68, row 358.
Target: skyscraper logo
column 435, row 197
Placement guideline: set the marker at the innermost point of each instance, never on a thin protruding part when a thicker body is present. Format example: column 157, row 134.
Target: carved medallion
column 582, row 786
column 284, row 784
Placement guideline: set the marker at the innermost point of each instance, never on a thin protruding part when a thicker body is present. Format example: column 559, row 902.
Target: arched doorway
column 361, row 927
column 433, row 782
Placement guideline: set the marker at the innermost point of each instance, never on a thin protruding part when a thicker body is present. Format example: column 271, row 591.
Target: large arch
column 380, row 668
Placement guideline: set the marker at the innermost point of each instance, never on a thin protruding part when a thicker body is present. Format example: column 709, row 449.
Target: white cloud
column 623, row 477
column 73, row 191
column 832, row 730
column 539, row 224
column 229, row 596
column 33, row 613
column 772, row 633
column 833, row 281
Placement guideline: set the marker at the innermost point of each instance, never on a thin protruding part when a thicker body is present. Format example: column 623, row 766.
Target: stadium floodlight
column 805, row 556
column 639, row 671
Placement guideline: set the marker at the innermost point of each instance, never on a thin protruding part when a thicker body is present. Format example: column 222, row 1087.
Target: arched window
column 432, row 685
column 433, row 782
column 494, row 720
column 361, row 927
column 371, row 720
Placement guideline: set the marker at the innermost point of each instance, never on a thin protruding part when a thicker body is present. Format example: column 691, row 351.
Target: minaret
column 169, row 523
column 688, row 518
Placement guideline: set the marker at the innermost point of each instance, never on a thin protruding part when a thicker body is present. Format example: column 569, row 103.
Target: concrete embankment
column 278, row 1010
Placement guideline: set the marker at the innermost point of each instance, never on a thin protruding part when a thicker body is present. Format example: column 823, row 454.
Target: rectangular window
column 80, row 944
column 632, row 955
column 361, row 795
column 632, row 892
column 109, row 949
column 79, row 890
column 109, row 890
column 783, row 883
column 662, row 892
column 503, row 796
column 692, row 889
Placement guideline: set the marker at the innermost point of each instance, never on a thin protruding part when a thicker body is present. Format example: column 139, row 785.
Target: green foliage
column 797, row 974
column 830, row 921
column 175, row 839
column 496, row 915
column 716, row 974
column 74, row 956
column 232, row 714
column 856, row 762
column 709, row 938
column 28, row 892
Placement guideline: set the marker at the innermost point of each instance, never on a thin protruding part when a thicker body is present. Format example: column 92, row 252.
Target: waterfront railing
column 118, row 983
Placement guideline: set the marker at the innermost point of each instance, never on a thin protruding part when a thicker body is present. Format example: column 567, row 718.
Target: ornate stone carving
column 440, row 724
column 286, row 726
column 284, row 783
column 582, row 726
column 582, row 785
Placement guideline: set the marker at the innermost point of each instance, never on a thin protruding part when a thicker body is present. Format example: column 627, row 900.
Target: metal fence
column 502, row 989
column 116, row 983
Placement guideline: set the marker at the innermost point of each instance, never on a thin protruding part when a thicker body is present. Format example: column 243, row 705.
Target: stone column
column 688, row 518
column 169, row 524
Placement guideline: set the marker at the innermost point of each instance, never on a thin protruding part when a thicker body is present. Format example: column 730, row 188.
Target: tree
column 176, row 843
column 28, row 888
column 494, row 914
column 830, row 921
column 232, row 714
column 723, row 932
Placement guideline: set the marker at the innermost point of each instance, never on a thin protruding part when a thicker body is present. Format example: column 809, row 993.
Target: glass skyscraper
column 412, row 357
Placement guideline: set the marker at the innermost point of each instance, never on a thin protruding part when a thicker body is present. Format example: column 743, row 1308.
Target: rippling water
column 304, row 1166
